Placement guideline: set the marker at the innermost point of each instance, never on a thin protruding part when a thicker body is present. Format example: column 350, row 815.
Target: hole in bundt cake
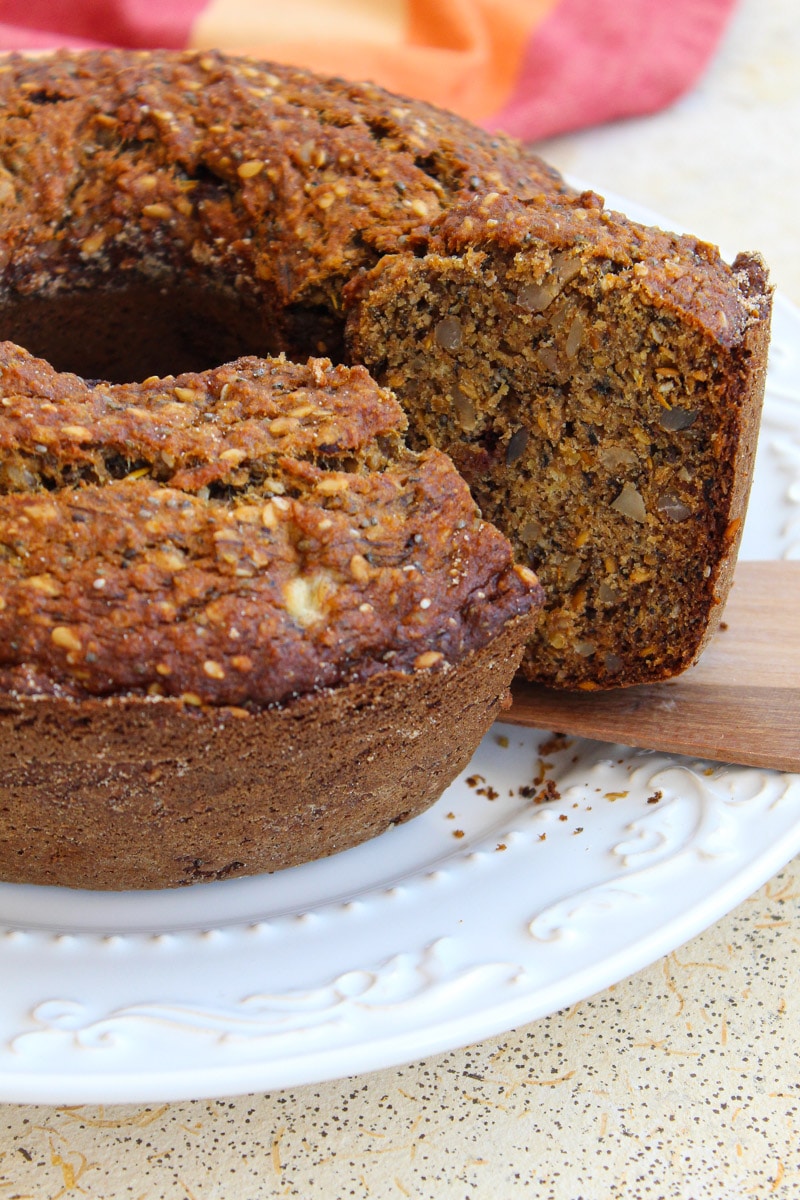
column 125, row 335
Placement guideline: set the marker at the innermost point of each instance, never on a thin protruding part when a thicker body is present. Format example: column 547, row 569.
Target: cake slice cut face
column 598, row 384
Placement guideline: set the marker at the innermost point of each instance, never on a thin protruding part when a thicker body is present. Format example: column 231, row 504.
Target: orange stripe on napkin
column 531, row 67
column 461, row 54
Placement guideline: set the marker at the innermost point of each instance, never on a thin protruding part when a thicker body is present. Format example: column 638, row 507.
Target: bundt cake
column 218, row 583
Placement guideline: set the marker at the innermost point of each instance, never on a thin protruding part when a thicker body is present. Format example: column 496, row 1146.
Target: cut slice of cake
column 598, row 384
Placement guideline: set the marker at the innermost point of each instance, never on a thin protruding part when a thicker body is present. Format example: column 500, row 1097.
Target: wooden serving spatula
column 740, row 703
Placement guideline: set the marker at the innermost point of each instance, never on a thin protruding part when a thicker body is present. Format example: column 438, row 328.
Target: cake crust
column 246, row 535
column 122, row 793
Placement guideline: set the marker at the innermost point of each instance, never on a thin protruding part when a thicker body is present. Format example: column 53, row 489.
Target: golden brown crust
column 243, row 536
column 249, row 175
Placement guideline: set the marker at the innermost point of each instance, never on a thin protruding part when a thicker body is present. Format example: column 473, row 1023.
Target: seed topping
column 429, row 658
column 251, row 168
column 66, row 638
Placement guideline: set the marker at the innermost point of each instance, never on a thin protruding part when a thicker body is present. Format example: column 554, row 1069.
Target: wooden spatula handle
column 740, row 703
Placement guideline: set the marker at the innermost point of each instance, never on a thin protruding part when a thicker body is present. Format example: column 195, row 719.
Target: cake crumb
column 541, row 795
column 554, row 744
column 488, row 792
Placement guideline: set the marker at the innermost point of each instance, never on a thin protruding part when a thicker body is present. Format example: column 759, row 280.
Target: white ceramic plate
column 486, row 912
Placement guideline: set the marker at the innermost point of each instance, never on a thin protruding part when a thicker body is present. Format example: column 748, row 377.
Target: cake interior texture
column 592, row 380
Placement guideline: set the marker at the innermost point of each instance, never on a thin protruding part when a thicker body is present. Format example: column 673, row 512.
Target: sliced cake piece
column 598, row 384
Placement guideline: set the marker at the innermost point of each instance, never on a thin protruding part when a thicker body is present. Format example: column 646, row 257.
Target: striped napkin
column 531, row 67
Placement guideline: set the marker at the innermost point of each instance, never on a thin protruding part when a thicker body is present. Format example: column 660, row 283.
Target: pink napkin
column 531, row 67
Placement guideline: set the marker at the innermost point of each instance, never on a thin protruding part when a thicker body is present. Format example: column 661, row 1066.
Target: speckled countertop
column 682, row 1082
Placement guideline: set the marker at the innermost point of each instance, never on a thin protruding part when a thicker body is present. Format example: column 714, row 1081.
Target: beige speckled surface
column 682, row 1082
